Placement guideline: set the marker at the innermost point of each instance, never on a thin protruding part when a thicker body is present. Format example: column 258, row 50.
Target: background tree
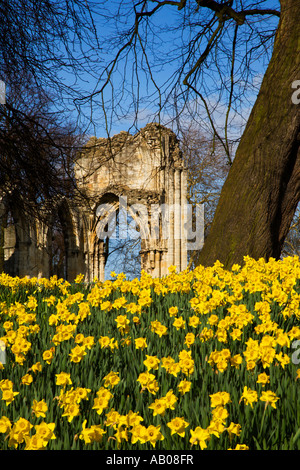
column 207, row 168
column 44, row 47
column 37, row 148
column 37, row 151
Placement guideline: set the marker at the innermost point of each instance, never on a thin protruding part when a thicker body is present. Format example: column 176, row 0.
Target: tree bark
column 260, row 195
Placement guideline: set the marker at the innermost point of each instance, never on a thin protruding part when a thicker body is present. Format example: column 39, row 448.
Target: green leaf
column 296, row 436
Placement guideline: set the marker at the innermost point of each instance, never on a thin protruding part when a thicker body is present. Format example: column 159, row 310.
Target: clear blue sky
column 162, row 56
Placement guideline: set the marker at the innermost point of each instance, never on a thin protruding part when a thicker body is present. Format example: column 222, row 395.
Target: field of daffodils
column 202, row 359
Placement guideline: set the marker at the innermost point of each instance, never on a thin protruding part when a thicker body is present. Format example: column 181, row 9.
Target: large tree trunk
column 260, row 195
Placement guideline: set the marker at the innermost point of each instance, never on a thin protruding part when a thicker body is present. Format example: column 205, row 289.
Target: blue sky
column 163, row 65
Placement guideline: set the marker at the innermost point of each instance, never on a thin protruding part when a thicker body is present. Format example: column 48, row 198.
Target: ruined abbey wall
column 146, row 170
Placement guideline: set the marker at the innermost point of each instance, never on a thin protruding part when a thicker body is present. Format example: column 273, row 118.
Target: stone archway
column 64, row 241
column 115, row 220
column 147, row 170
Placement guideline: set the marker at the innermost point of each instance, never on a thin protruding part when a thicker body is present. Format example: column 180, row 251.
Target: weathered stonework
column 146, row 168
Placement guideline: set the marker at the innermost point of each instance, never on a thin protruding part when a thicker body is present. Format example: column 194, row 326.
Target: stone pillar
column 177, row 219
column 183, row 200
column 170, row 202
column 90, row 266
column 93, row 264
column 152, row 261
column 157, row 263
column 96, row 273
column 101, row 261
column 43, row 241
column 90, row 241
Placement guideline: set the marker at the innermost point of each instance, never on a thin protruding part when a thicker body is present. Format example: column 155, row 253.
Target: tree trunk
column 260, row 195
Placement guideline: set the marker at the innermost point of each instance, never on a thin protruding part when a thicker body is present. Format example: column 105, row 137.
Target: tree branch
column 205, row 53
column 224, row 11
column 231, row 92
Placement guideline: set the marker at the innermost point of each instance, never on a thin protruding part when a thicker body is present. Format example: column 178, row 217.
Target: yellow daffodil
column 249, row 396
column 159, row 407
column 140, row 343
column 263, row 379
column 27, row 379
column 270, row 398
column 154, row 435
column 151, row 362
column 200, row 436
column 178, row 426
column 184, row 386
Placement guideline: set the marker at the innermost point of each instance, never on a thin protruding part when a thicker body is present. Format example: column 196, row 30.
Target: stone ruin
column 146, row 170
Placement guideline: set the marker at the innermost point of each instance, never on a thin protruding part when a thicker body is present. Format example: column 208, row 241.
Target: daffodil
column 140, row 343
column 234, row 429
column 219, row 398
column 240, row 447
column 189, row 339
column 63, row 378
column 151, row 362
column 173, row 311
column 178, row 426
column 270, row 398
column 19, row 431
column 159, row 407
column 200, row 436
column 8, row 396
column 48, row 355
column 263, row 379
column 139, row 433
column 179, row 323
column 249, row 396
column 104, row 341
column 111, row 379
column 37, row 367
column 184, row 386
column 45, row 430
column 194, row 321
column 39, row 408
column 35, row 443
column 5, row 425
column 27, row 379
column 154, row 434
column 71, row 410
